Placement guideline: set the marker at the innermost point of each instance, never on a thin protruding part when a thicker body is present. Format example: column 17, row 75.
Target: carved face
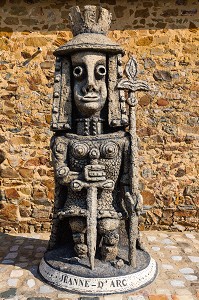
column 90, row 90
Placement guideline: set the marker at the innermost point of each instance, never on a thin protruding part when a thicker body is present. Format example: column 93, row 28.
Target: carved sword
column 92, row 187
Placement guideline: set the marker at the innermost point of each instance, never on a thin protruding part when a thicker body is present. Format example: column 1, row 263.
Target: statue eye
column 78, row 71
column 101, row 70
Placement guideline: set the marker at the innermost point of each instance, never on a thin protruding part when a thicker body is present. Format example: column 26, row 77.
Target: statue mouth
column 90, row 98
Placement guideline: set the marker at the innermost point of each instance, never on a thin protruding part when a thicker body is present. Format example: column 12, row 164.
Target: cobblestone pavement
column 176, row 253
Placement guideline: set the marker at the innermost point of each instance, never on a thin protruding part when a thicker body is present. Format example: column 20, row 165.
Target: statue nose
column 88, row 88
column 90, row 84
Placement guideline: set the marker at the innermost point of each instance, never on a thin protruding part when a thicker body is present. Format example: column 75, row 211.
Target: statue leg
column 108, row 229
column 78, row 227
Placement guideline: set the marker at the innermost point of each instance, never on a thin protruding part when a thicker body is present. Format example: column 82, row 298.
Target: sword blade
column 92, row 224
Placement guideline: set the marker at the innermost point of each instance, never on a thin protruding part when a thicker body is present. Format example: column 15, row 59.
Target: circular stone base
column 63, row 271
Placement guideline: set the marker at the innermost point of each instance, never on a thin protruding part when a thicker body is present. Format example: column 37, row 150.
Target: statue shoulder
column 59, row 141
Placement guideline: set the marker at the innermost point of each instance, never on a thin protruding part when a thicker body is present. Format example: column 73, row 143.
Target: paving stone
column 176, row 257
column 19, row 242
column 162, row 234
column 45, row 289
column 111, row 297
column 163, row 291
column 2, row 269
column 179, row 239
column 180, row 297
column 14, row 248
column 167, row 242
column 186, row 271
column 167, row 267
column 191, row 277
column 30, row 283
column 8, row 293
column 170, row 247
column 12, row 282
column 29, row 247
column 177, row 283
column 67, row 296
column 194, row 259
column 136, row 297
column 39, row 254
column 151, row 238
column 11, row 255
column 16, row 273
column 184, row 292
column 23, row 258
column 7, row 262
column 155, row 248
column 188, row 250
column 22, row 264
column 41, row 249
column 190, row 236
column 15, row 298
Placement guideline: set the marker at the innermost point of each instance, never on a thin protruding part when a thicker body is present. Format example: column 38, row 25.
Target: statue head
column 89, row 82
column 87, row 71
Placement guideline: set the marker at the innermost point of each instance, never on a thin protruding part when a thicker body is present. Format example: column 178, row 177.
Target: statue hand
column 65, row 176
column 94, row 173
column 134, row 203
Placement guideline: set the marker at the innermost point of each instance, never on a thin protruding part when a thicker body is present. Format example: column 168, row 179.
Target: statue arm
column 133, row 202
column 59, row 147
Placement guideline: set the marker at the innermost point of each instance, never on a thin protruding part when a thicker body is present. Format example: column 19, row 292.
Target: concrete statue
column 95, row 246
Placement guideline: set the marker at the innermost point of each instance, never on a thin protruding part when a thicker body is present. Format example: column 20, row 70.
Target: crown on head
column 92, row 19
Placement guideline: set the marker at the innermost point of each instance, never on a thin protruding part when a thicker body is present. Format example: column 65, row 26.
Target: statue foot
column 81, row 250
column 109, row 253
column 118, row 264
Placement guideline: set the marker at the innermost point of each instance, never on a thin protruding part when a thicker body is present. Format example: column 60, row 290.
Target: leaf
column 131, row 68
column 135, row 85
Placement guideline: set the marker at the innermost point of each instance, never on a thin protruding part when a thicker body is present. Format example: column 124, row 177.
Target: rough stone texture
column 162, row 35
column 30, row 287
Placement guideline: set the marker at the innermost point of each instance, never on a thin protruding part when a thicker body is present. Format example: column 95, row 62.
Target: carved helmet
column 89, row 29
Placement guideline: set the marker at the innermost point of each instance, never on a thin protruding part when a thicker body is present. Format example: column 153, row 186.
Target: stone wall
column 163, row 37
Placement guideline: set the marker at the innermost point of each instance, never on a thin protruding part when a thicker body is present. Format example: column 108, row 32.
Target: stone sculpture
column 94, row 152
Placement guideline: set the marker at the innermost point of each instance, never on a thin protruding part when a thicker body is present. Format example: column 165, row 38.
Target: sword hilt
column 78, row 185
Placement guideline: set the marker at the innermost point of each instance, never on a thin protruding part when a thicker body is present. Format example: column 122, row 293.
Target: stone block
column 142, row 13
column 41, row 213
column 9, row 212
column 26, row 173
column 12, row 193
column 146, row 41
column 8, row 173
column 148, row 197
column 161, row 75
column 37, row 41
column 162, row 102
column 145, row 100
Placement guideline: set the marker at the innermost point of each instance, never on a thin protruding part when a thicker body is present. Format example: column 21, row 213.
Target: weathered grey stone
column 149, row 63
column 162, row 75
column 8, row 294
column 95, row 158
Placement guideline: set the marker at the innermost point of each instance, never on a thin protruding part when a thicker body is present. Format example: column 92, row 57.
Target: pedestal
column 72, row 274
